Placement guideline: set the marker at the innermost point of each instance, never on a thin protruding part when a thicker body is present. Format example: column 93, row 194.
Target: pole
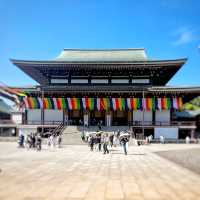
column 42, row 117
column 142, row 113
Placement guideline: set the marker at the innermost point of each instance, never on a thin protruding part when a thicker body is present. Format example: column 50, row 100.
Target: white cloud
column 183, row 36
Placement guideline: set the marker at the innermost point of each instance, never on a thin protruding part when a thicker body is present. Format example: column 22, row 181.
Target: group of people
column 34, row 141
column 99, row 139
column 30, row 141
column 54, row 140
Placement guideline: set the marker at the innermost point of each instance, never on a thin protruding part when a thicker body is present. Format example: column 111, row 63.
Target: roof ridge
column 103, row 49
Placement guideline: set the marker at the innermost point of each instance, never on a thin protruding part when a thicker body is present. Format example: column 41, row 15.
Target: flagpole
column 42, row 114
column 142, row 113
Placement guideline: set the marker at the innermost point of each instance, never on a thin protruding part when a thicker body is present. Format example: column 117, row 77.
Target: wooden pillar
column 130, row 117
column 192, row 136
column 1, row 131
column 25, row 120
column 153, row 116
column 143, row 114
column 86, row 118
column 66, row 117
column 108, row 118
column 63, row 116
column 42, row 112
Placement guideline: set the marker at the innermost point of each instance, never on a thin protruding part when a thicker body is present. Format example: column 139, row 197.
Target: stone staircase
column 71, row 135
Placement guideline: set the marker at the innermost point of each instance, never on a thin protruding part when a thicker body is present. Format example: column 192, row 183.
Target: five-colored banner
column 106, row 103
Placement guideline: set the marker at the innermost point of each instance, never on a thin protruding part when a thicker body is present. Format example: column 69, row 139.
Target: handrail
column 130, row 123
column 58, row 129
column 160, row 123
column 6, row 121
column 45, row 123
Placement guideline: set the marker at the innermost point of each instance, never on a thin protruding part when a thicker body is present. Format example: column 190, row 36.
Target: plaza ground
column 73, row 172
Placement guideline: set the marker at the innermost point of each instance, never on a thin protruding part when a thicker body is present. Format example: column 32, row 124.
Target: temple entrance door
column 120, row 118
column 97, row 117
column 75, row 117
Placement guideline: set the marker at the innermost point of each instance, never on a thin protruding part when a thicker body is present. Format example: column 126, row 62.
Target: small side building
column 7, row 126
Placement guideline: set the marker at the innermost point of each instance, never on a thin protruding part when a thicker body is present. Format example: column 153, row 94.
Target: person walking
column 91, row 142
column 162, row 139
column 111, row 138
column 38, row 142
column 105, row 144
column 83, row 135
column 52, row 141
column 115, row 140
column 98, row 139
column 124, row 141
column 59, row 140
column 150, row 138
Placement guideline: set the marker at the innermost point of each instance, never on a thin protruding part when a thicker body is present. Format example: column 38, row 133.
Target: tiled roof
column 4, row 108
column 102, row 55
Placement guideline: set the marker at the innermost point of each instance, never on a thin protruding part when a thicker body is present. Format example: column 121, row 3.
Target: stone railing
column 159, row 123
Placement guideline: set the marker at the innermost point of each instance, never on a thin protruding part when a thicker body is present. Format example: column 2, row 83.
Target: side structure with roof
column 111, row 87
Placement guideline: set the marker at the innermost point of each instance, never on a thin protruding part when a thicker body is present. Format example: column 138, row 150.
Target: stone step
column 72, row 139
column 8, row 139
column 72, row 134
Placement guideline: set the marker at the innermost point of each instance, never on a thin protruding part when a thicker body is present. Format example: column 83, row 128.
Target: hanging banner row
column 101, row 104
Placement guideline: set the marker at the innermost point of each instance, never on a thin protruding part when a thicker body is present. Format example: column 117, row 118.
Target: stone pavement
column 73, row 172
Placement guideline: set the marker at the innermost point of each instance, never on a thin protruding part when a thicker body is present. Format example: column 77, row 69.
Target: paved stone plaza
column 73, row 172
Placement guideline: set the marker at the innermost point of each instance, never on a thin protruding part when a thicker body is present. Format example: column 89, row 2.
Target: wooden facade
column 107, row 73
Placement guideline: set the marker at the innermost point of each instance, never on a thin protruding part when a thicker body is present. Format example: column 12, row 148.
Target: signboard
column 168, row 132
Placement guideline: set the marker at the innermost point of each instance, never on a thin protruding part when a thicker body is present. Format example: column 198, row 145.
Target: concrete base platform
column 74, row 172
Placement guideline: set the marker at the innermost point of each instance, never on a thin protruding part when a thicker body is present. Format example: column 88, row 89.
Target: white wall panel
column 162, row 116
column 99, row 81
column 53, row 115
column 119, row 80
column 79, row 80
column 168, row 132
column 33, row 115
column 138, row 116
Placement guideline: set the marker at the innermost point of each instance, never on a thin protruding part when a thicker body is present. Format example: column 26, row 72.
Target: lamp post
column 42, row 111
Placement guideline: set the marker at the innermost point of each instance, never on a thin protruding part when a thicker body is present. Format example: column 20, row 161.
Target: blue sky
column 40, row 29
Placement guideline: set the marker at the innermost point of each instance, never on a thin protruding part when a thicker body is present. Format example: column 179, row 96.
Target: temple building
column 110, row 87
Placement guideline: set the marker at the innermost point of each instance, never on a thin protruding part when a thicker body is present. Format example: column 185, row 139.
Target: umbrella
column 123, row 134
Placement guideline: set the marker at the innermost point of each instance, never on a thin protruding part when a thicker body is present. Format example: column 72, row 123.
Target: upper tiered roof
column 102, row 55
column 132, row 61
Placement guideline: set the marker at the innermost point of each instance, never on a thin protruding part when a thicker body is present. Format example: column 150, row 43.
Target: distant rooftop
column 4, row 107
column 102, row 55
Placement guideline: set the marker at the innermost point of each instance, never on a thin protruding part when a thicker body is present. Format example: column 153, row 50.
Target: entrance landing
column 73, row 172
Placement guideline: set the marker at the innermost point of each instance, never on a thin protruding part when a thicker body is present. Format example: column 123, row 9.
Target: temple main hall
column 110, row 87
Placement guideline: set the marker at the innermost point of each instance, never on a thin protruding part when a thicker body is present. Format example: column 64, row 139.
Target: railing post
column 42, row 111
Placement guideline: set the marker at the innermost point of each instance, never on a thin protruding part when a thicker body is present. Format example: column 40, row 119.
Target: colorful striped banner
column 91, row 103
column 119, row 104
column 134, row 104
column 69, row 103
column 84, row 103
column 75, row 103
column 123, row 102
column 98, row 104
column 177, row 103
column 102, row 106
column 106, row 103
column 129, row 103
column 88, row 103
column 40, row 102
column 149, row 103
column 168, row 103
